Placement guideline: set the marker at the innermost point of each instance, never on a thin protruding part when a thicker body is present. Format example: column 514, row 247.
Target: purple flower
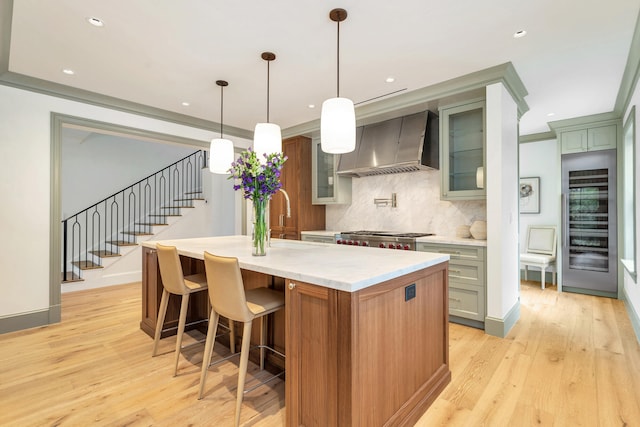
column 258, row 182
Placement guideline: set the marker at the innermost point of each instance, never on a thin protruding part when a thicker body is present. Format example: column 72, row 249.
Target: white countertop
column 345, row 268
column 451, row 241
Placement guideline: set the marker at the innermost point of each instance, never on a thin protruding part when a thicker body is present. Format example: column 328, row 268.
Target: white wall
column 501, row 172
column 540, row 159
column 25, row 141
column 631, row 290
column 95, row 166
column 419, row 206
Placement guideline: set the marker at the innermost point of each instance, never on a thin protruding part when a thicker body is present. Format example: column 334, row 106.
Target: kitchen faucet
column 281, row 218
column 286, row 196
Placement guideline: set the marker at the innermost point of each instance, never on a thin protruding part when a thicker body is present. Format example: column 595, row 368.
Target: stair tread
column 193, row 192
column 136, row 233
column 122, row 243
column 71, row 277
column 151, row 223
column 188, row 199
column 105, row 254
column 86, row 265
column 175, row 207
column 164, row 215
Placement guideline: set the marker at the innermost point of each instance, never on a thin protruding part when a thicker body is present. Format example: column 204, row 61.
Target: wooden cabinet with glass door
column 462, row 152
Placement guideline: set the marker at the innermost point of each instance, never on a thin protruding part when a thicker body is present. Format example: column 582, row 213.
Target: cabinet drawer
column 469, row 272
column 472, row 253
column 317, row 238
column 466, row 301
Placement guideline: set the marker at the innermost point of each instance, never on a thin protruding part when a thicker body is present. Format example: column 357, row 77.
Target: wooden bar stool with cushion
column 175, row 283
column 229, row 299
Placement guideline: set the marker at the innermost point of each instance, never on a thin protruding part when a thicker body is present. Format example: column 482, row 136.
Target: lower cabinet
column 311, row 348
column 373, row 357
column 318, row 238
column 467, row 281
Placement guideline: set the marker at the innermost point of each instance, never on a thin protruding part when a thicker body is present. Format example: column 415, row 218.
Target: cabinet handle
column 450, row 252
column 565, row 220
column 292, row 286
column 281, row 220
column 152, row 251
column 455, row 299
column 454, row 271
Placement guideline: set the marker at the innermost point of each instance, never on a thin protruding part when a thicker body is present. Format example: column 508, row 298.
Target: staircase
column 106, row 231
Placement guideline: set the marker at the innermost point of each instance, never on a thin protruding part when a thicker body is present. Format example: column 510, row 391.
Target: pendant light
column 221, row 151
column 338, row 118
column 267, row 138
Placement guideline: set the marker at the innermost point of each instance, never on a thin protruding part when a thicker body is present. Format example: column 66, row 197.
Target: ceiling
column 162, row 53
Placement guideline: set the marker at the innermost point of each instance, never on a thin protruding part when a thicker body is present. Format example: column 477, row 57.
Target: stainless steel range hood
column 403, row 144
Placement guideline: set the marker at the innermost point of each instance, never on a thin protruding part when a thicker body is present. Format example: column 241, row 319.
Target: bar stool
column 174, row 282
column 229, row 299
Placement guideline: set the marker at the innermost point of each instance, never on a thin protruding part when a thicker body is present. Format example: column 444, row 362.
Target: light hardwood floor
column 571, row 360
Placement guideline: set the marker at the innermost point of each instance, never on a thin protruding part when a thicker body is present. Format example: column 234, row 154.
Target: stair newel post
column 64, row 252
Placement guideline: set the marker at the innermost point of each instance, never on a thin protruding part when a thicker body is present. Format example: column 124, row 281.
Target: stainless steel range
column 380, row 239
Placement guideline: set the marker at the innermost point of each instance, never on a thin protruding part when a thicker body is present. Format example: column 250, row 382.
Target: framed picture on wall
column 530, row 195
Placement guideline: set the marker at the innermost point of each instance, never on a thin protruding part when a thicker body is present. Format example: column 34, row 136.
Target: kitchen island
column 365, row 330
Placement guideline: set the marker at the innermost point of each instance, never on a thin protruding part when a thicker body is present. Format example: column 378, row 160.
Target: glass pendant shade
column 338, row 126
column 267, row 139
column 220, row 155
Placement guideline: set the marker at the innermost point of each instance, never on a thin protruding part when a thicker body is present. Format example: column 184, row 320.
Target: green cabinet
column 327, row 187
column 462, row 153
column 589, row 139
column 467, row 281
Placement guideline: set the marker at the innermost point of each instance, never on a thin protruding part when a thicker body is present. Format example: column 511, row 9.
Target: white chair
column 540, row 251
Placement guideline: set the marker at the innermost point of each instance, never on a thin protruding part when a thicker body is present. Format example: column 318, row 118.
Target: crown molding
column 20, row 81
column 456, row 87
column 537, row 137
column 431, row 96
column 631, row 73
column 581, row 122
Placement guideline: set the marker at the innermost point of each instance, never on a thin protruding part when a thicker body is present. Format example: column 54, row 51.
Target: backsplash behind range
column 419, row 207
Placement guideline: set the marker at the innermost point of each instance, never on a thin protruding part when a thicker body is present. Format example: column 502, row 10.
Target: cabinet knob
column 292, row 286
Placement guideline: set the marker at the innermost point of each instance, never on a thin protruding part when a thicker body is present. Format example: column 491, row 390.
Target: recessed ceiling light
column 95, row 22
column 551, row 114
column 311, row 105
column 390, row 79
column 68, row 71
column 185, row 104
column 520, row 33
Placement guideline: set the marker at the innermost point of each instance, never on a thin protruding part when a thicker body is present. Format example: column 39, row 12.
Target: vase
column 260, row 227
column 479, row 230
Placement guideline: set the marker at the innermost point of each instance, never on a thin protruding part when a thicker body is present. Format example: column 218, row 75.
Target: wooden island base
column 377, row 356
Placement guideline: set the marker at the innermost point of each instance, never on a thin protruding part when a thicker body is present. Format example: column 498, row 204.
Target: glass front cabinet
column 462, row 153
column 327, row 186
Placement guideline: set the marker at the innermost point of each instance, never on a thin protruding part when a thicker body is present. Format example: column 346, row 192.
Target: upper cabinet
column 296, row 181
column 589, row 139
column 326, row 185
column 462, row 152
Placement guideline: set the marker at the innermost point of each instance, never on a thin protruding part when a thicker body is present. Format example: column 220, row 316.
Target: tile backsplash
column 419, row 208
